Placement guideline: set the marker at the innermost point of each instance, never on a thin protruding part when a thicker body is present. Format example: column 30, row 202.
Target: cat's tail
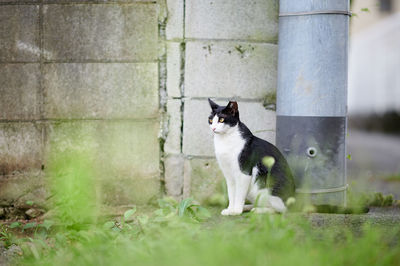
column 266, row 202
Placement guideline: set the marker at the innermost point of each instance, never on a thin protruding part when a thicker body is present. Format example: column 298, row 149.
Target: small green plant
column 184, row 209
column 269, row 101
column 71, row 178
column 379, row 200
column 6, row 237
column 392, row 178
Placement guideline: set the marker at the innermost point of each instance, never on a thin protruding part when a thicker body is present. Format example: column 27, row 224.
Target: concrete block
column 124, row 156
column 19, row 33
column 173, row 142
column 198, row 138
column 123, row 150
column 173, row 69
column 96, row 1
column 18, row 1
column 230, row 69
column 129, row 191
column 203, row 179
column 20, row 147
column 101, row 90
column 174, row 29
column 101, row 32
column 174, row 166
column 18, row 188
column 232, row 19
column 19, row 86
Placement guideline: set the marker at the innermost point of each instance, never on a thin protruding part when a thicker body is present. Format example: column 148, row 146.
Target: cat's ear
column 212, row 104
column 232, row 107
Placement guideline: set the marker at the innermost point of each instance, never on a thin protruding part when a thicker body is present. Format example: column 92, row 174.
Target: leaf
column 15, row 225
column 29, row 225
column 29, row 202
column 203, row 213
column 34, row 251
column 365, row 9
column 348, row 157
column 60, row 238
column 165, row 204
column 109, row 225
column 143, row 219
column 183, row 205
column 159, row 212
column 129, row 213
column 116, row 229
column 127, row 226
column 47, row 224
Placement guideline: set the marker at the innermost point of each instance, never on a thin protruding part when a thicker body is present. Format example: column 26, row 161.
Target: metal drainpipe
column 312, row 96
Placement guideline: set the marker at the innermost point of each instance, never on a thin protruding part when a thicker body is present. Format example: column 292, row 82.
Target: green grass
column 182, row 233
column 187, row 234
column 393, row 178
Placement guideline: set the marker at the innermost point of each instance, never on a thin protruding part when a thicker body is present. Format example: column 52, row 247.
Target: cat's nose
column 214, row 128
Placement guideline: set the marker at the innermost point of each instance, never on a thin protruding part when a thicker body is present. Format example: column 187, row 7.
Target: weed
column 6, row 237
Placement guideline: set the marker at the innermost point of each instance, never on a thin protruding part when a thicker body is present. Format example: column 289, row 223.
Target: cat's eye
column 221, row 120
column 210, row 120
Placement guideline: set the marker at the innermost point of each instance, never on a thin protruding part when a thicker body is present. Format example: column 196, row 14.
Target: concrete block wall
column 223, row 49
column 76, row 73
column 130, row 80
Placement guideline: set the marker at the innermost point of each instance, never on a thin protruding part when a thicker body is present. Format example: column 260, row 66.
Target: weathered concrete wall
column 224, row 49
column 73, row 75
column 123, row 77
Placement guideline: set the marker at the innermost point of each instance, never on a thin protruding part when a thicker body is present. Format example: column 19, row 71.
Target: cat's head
column 223, row 118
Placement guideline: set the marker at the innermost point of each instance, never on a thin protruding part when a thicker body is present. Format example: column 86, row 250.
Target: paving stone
column 101, row 90
column 101, row 32
column 20, row 147
column 19, row 86
column 197, row 136
column 232, row 19
column 19, row 33
column 230, row 69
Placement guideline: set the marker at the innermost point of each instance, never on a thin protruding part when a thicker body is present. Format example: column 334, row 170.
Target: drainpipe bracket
column 316, row 12
column 322, row 190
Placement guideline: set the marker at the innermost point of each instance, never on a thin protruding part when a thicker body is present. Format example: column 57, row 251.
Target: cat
column 254, row 169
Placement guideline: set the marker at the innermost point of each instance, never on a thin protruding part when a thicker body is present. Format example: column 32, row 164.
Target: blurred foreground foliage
column 182, row 233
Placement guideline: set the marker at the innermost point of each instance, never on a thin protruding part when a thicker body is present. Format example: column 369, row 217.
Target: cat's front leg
column 242, row 183
column 230, row 183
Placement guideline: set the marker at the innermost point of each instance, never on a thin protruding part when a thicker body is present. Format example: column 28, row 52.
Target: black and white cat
column 254, row 169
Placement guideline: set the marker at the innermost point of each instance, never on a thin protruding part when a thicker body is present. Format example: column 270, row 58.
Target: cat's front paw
column 226, row 211
column 231, row 212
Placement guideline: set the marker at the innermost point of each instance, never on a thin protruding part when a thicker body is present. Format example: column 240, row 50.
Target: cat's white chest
column 227, row 150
